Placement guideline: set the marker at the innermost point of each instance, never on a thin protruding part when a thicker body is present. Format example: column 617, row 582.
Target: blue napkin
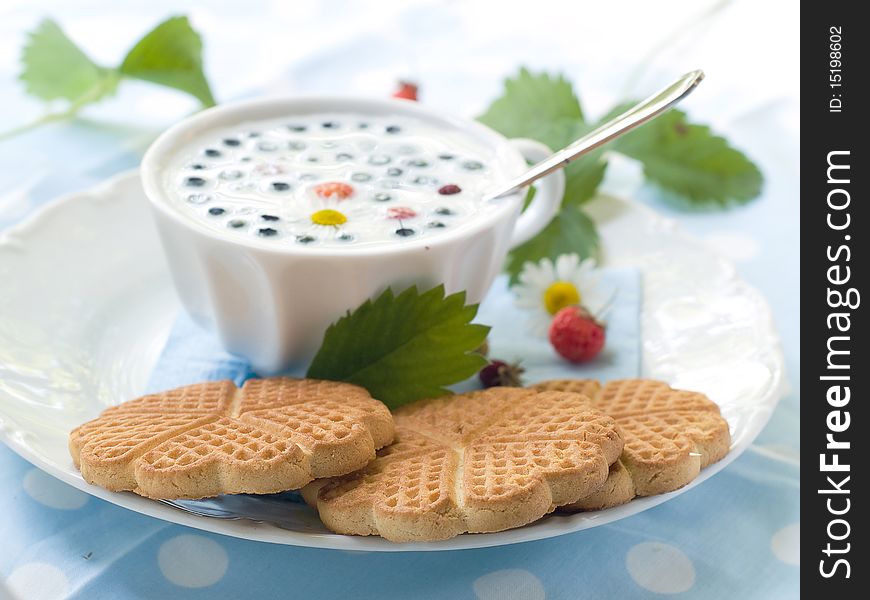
column 193, row 355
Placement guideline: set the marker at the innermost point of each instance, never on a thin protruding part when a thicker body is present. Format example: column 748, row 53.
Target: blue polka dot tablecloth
column 735, row 536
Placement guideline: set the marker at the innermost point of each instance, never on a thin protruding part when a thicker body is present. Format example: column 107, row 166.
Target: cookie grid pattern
column 207, row 439
column 477, row 462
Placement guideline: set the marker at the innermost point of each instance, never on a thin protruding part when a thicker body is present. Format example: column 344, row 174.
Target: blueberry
column 231, row 174
column 198, row 198
column 312, row 159
column 344, row 156
column 436, row 225
column 404, row 232
column 267, row 146
column 297, row 128
column 363, row 125
column 394, row 171
column 329, row 125
column 305, row 239
column 360, row 177
column 232, row 142
column 280, row 186
column 267, row 232
column 216, row 212
column 246, row 159
column 383, row 197
column 236, row 224
column 196, row 167
column 296, row 145
column 345, row 237
column 444, row 211
column 270, row 218
column 379, row 159
column 212, row 152
column 393, row 129
column 194, row 182
column 472, row 165
column 417, row 162
column 253, row 134
column 446, row 156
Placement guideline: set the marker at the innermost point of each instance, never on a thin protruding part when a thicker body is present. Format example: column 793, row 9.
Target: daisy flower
column 327, row 216
column 545, row 287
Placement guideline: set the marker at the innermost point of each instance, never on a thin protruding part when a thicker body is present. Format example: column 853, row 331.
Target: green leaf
column 545, row 108
column 571, row 232
column 403, row 348
column 53, row 68
column 583, row 177
column 170, row 55
column 532, row 105
column 690, row 161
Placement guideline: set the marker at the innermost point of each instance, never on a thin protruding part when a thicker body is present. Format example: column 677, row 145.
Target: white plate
column 86, row 305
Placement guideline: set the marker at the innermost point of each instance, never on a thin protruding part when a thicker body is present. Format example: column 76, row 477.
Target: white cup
column 272, row 303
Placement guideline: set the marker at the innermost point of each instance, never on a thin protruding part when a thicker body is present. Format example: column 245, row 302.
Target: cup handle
column 548, row 196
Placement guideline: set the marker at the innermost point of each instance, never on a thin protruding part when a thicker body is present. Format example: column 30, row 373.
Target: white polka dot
column 734, row 245
column 192, row 561
column 509, row 583
column 37, row 581
column 53, row 492
column 786, row 544
column 660, row 568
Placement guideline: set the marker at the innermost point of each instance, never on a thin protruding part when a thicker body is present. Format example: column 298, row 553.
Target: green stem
column 104, row 87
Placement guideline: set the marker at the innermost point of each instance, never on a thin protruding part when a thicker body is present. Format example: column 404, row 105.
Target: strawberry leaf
column 530, row 102
column 691, row 161
column 54, row 68
column 170, row 55
column 403, row 348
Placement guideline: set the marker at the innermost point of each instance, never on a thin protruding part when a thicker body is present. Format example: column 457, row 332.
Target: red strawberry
column 406, row 91
column 498, row 372
column 576, row 334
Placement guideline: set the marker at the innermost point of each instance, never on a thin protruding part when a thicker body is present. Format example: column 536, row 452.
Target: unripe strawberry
column 500, row 373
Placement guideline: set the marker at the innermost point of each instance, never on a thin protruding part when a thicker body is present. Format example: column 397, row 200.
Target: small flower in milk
column 546, row 287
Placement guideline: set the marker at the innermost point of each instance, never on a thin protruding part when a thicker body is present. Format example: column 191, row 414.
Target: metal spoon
column 637, row 115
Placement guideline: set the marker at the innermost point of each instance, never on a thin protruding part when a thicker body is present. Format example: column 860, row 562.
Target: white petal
column 539, row 323
column 548, row 268
column 566, row 266
column 528, row 301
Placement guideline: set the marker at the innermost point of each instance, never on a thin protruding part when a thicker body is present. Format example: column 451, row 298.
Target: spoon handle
column 637, row 115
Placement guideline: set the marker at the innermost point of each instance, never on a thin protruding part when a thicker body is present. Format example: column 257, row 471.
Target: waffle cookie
column 670, row 435
column 213, row 438
column 477, row 462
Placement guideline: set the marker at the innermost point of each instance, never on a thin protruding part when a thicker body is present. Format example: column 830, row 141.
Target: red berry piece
column 401, row 212
column 449, row 189
column 576, row 335
column 406, row 91
column 338, row 189
column 500, row 373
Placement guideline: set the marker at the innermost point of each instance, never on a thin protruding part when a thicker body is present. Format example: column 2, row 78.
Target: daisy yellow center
column 559, row 295
column 328, row 217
